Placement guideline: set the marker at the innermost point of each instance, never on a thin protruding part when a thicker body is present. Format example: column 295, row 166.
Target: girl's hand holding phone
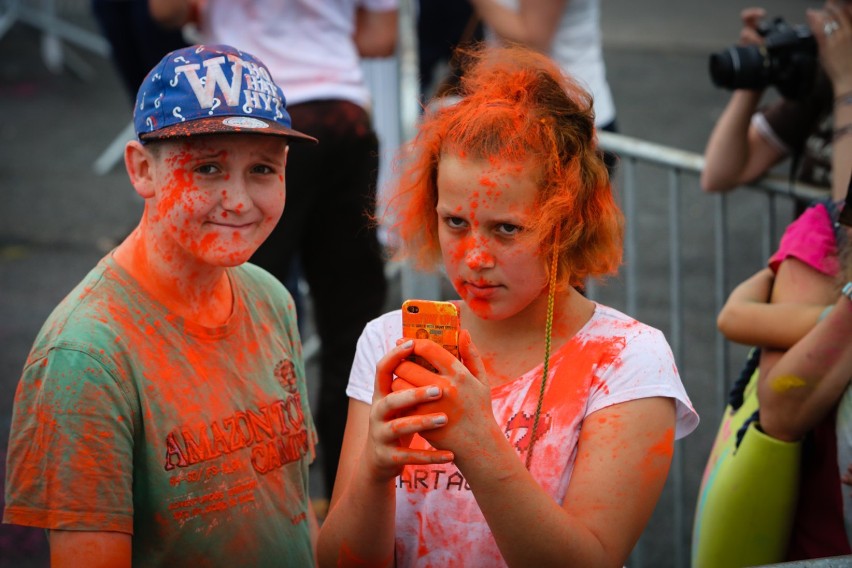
column 466, row 396
column 393, row 423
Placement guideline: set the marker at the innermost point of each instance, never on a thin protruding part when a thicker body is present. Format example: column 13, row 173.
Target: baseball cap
column 211, row 89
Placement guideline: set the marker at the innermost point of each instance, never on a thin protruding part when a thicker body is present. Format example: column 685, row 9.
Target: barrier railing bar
column 771, row 225
column 630, row 247
column 8, row 15
column 676, row 339
column 47, row 21
column 720, row 246
column 651, row 152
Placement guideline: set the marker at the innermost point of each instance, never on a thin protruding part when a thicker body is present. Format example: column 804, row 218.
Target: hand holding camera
column 780, row 55
column 832, row 29
column 788, row 57
column 751, row 18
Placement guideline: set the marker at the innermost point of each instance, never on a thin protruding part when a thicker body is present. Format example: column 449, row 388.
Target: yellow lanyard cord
column 548, row 330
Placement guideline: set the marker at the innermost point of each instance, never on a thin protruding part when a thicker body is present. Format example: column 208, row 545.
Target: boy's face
column 216, row 198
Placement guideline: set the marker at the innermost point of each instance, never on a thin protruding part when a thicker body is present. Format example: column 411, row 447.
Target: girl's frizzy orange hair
column 517, row 105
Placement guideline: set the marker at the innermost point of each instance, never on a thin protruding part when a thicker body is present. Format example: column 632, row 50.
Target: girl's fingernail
column 433, row 392
column 439, row 420
column 407, row 344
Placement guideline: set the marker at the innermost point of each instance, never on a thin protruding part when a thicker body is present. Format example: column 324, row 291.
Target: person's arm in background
column 376, row 32
column 756, row 315
column 534, row 24
column 809, row 379
column 96, row 549
column 835, row 59
column 736, row 151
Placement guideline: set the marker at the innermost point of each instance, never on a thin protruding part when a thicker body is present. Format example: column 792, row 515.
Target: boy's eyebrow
column 260, row 155
column 203, row 153
column 271, row 156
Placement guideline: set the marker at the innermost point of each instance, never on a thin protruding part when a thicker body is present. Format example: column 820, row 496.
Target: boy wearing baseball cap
column 162, row 416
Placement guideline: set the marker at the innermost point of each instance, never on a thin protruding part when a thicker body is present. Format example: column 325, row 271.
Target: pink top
column 811, row 239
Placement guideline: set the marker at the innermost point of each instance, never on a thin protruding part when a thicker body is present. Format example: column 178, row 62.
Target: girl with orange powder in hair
column 549, row 441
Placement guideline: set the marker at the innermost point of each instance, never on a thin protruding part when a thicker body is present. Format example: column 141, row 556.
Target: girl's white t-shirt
column 612, row 359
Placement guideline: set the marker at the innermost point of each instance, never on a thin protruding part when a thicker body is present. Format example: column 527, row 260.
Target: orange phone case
column 428, row 319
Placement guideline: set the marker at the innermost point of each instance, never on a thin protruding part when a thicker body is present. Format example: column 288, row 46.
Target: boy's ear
column 140, row 164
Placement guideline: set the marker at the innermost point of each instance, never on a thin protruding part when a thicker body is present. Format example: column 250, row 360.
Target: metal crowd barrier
column 678, row 172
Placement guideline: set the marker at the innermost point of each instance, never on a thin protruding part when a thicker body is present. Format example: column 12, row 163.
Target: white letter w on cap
column 205, row 89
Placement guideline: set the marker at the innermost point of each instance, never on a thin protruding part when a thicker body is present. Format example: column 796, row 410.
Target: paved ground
column 57, row 214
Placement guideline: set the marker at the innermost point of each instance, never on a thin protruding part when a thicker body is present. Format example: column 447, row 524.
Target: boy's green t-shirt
column 196, row 440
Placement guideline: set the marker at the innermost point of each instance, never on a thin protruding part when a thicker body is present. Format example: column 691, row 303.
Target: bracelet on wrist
column 842, row 131
column 847, row 291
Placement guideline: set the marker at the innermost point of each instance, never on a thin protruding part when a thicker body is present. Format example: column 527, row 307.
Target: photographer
column 746, row 142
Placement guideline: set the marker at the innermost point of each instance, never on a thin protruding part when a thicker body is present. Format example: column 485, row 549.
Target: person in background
column 776, row 309
column 313, row 49
column 749, row 139
column 137, row 42
column 442, row 27
column 162, row 416
column 568, row 31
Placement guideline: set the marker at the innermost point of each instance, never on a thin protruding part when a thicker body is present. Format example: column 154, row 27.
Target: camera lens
column 413, row 309
column 787, row 60
column 739, row 68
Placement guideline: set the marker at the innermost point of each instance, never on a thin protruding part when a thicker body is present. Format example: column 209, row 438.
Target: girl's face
column 483, row 210
column 218, row 197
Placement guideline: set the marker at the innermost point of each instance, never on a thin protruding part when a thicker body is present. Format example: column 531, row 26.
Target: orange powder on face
column 486, row 181
column 458, row 251
column 180, row 181
column 207, row 243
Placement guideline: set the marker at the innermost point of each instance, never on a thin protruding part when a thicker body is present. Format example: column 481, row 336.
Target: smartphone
column 428, row 319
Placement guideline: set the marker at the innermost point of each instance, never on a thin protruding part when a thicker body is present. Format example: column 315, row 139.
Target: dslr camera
column 787, row 60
